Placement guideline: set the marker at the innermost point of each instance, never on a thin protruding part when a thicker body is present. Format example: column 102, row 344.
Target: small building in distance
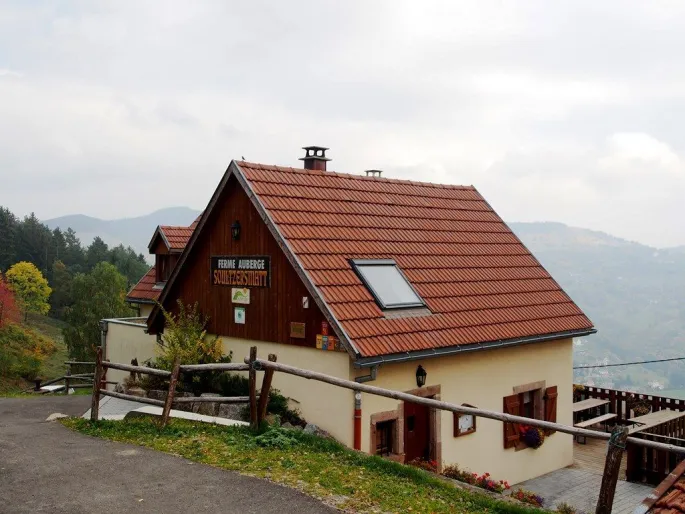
column 411, row 286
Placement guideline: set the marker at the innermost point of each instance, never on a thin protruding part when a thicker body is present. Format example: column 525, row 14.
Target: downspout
column 358, row 407
column 357, row 421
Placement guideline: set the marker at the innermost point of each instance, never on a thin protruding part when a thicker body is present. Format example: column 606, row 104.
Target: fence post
column 266, row 388
column 67, row 374
column 253, row 388
column 95, row 399
column 172, row 391
column 617, row 444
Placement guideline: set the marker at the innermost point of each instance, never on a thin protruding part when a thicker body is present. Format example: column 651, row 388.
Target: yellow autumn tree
column 30, row 287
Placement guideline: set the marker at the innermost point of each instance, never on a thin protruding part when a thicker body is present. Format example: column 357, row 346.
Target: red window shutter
column 551, row 406
column 511, row 434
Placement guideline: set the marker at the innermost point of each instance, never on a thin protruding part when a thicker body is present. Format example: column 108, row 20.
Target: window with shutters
column 535, row 401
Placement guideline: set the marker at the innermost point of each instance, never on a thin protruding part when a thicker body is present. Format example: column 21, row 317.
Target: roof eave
column 140, row 300
column 366, row 362
column 158, row 232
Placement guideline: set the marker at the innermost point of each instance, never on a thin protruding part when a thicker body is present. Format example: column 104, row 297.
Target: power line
column 629, row 363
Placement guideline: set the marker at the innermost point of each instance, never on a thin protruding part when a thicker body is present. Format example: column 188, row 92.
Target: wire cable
column 629, row 363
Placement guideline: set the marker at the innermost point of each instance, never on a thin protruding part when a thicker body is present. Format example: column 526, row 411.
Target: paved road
column 45, row 467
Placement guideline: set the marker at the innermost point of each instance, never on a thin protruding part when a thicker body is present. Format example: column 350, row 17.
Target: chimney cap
column 316, row 158
column 315, row 153
column 373, row 173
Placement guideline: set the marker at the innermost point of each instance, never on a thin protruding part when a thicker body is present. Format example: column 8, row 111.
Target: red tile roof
column 176, row 237
column 478, row 280
column 144, row 291
column 669, row 495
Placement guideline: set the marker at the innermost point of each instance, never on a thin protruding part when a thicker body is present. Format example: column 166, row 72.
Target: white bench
column 593, row 421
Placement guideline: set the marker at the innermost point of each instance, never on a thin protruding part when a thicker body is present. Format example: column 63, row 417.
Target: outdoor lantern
column 420, row 376
column 235, row 230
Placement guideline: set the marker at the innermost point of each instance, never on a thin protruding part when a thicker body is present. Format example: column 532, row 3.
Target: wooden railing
column 645, row 464
column 257, row 401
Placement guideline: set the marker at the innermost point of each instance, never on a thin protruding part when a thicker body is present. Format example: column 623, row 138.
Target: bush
column 22, row 352
column 277, row 437
column 528, row 497
column 565, row 508
column 427, row 465
column 483, row 481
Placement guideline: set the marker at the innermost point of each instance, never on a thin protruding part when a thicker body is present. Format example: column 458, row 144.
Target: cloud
column 566, row 111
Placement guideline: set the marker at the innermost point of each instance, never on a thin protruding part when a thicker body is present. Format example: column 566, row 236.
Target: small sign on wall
column 240, row 295
column 297, row 330
column 239, row 315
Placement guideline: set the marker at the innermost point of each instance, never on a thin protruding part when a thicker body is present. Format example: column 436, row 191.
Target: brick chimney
column 315, row 159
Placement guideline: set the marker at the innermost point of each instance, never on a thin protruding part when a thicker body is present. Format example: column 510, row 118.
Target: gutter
column 453, row 350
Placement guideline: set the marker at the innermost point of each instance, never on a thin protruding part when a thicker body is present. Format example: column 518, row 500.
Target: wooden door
column 416, row 432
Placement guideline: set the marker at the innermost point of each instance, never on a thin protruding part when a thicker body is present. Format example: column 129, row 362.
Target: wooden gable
column 272, row 309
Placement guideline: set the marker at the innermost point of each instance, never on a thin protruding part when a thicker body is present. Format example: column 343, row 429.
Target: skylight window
column 388, row 285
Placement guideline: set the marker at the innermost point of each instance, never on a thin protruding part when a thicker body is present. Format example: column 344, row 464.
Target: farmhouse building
column 411, row 286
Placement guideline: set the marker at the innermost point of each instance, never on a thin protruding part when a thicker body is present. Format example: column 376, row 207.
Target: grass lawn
column 53, row 366
column 319, row 467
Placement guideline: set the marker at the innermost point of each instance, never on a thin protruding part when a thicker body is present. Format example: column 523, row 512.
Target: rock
column 311, row 428
column 208, row 408
column 55, row 416
column 288, row 425
column 119, row 388
column 136, row 391
column 157, row 394
column 187, row 407
column 231, row 411
column 273, row 420
column 297, row 427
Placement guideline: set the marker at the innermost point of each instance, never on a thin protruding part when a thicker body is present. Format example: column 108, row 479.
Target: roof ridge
column 350, row 176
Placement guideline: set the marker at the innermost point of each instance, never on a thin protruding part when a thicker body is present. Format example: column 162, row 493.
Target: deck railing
column 645, row 464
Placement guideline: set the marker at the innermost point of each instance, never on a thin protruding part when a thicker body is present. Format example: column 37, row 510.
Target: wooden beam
column 253, row 388
column 227, row 366
column 80, row 363
column 266, row 389
column 212, row 399
column 436, row 404
column 136, row 369
column 95, row 397
column 617, row 444
column 172, row 392
column 139, row 399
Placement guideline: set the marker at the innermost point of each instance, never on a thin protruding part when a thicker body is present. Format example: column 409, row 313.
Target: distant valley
column 634, row 294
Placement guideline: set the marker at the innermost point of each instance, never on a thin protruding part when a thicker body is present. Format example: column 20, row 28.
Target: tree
column 9, row 312
column 97, row 295
column 33, row 242
column 8, row 238
column 132, row 266
column 30, row 287
column 61, row 289
column 97, row 252
column 74, row 257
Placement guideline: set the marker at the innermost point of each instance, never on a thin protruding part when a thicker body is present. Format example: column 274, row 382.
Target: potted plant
column 639, row 406
column 533, row 437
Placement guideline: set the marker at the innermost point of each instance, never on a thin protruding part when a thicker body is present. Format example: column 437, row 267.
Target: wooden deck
column 590, row 457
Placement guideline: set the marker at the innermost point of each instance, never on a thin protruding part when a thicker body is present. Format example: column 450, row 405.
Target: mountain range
column 635, row 294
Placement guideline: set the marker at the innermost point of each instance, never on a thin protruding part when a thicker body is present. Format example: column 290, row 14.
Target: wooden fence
column 69, row 378
column 257, row 401
column 646, row 464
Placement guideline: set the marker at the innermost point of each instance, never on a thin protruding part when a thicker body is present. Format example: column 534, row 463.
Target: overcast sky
column 561, row 111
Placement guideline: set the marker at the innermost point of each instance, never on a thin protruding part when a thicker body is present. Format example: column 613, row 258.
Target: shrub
column 277, row 437
column 22, row 352
column 565, row 508
column 483, row 481
column 528, row 497
column 428, row 465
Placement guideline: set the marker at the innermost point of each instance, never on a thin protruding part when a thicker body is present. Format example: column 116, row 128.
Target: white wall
column 483, row 379
column 126, row 340
column 330, row 407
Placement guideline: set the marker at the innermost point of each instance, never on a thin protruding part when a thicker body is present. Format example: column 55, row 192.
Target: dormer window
column 387, row 284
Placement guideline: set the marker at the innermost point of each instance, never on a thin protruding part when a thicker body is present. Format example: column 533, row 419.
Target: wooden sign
column 297, row 330
column 241, row 270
